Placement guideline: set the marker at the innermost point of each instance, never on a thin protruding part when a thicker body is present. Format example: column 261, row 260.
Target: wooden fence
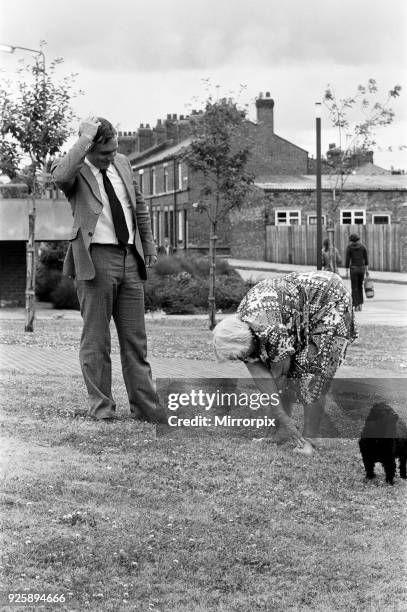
column 296, row 244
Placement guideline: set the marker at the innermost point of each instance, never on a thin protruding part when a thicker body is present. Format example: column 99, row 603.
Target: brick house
column 281, row 225
column 171, row 189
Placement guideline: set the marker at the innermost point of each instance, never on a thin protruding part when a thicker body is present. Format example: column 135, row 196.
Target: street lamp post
column 12, row 48
column 30, row 248
column 318, row 184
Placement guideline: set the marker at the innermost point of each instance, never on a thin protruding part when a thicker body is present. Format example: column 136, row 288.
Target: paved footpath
column 20, row 359
column 268, row 266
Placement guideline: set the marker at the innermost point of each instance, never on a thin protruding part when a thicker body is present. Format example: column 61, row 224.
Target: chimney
column 265, row 111
column 145, row 137
column 160, row 132
column 184, row 128
column 128, row 142
column 171, row 128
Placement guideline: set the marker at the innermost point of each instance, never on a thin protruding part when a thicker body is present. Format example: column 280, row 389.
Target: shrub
column 49, row 269
column 200, row 267
column 167, row 265
column 46, row 281
column 195, row 266
column 64, row 296
column 52, row 254
column 185, row 294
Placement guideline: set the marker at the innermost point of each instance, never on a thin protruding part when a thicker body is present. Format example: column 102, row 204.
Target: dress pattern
column 306, row 316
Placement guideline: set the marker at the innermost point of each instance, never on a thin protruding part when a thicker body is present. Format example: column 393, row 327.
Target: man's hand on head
column 89, row 127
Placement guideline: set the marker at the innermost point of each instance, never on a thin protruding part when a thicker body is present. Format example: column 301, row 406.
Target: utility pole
column 318, row 185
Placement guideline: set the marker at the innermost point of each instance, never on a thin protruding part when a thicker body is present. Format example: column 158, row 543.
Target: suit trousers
column 116, row 291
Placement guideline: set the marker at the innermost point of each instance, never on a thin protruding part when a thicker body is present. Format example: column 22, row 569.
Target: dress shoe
column 109, row 419
column 84, row 414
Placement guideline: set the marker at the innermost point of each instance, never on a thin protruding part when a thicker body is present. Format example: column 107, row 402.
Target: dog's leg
column 403, row 465
column 369, row 467
column 390, row 469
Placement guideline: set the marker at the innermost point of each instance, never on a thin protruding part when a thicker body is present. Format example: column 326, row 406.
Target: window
column 153, row 181
column 180, row 184
column 180, row 226
column 288, row 217
column 140, row 180
column 381, row 219
column 155, row 225
column 160, row 235
column 353, row 217
column 312, row 219
column 165, row 178
column 166, row 220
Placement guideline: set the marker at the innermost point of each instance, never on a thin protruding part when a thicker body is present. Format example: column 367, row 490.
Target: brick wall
column 272, row 155
column 371, row 201
column 248, row 230
column 12, row 273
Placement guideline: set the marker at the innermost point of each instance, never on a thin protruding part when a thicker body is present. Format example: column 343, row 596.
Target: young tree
column 356, row 119
column 217, row 154
column 35, row 121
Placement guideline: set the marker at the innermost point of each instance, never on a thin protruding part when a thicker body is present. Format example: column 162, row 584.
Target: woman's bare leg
column 275, row 383
column 312, row 420
column 312, row 417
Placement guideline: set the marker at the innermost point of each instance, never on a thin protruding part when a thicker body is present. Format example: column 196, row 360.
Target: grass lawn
column 117, row 519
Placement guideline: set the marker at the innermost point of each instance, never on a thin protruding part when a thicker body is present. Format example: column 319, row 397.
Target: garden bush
column 64, row 296
column 185, row 294
column 167, row 265
column 49, row 269
column 46, row 281
column 195, row 266
column 176, row 285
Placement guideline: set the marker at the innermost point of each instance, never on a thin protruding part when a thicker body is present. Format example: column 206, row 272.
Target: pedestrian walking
column 356, row 260
column 110, row 248
column 330, row 256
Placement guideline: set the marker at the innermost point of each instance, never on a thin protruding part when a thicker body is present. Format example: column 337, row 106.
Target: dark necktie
column 119, row 220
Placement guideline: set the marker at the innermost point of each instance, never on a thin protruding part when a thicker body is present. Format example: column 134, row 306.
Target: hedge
column 176, row 285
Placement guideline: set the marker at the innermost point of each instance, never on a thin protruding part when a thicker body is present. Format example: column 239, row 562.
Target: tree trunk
column 30, row 265
column 332, row 252
column 212, row 276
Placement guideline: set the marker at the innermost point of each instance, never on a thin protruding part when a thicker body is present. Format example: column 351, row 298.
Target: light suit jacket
column 80, row 186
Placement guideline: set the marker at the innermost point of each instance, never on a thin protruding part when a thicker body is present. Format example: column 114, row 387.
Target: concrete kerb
column 399, row 278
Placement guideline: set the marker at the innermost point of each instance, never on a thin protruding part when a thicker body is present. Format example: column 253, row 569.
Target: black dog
column 383, row 438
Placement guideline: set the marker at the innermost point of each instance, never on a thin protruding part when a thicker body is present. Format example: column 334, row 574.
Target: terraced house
column 172, row 190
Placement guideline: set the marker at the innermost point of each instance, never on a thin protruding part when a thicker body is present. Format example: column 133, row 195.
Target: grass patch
column 119, row 520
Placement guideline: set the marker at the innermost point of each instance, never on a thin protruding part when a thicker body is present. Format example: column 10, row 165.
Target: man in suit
column 111, row 246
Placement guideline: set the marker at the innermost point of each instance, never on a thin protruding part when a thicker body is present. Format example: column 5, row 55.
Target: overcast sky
column 138, row 60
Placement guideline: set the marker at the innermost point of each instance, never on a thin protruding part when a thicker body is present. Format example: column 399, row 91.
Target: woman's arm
column 272, row 382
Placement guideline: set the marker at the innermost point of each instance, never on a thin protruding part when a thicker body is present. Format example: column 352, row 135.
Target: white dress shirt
column 104, row 231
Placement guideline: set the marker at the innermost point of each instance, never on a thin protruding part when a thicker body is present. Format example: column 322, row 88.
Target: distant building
column 359, row 161
column 280, row 226
column 172, row 190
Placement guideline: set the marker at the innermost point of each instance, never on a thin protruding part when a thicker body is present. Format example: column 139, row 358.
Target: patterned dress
column 306, row 316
